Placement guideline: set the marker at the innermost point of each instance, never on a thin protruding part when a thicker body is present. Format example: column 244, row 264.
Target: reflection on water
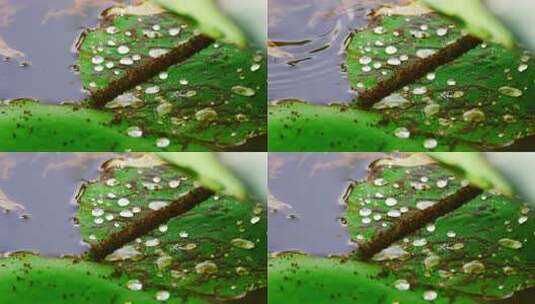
column 45, row 184
column 45, row 32
column 307, row 191
column 306, row 47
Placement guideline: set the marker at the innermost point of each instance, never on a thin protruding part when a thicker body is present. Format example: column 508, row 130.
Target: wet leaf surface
column 479, row 252
column 453, row 107
column 219, row 103
column 217, row 249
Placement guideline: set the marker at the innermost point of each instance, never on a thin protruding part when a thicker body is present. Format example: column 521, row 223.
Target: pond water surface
column 45, row 32
column 45, row 184
column 306, row 200
column 307, row 40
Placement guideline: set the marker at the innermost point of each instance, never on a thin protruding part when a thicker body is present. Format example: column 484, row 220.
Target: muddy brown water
column 45, row 184
column 313, row 184
column 309, row 37
column 45, row 32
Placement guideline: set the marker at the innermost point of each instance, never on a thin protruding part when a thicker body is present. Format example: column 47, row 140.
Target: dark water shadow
column 45, row 32
column 45, row 184
column 313, row 184
column 309, row 37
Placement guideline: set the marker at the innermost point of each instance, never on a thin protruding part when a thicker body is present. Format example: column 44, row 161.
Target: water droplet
column 163, row 75
column 365, row 212
column 188, row 247
column 430, row 227
column 473, row 267
column 126, row 61
column 394, row 213
column 392, row 101
column 255, row 67
column 522, row 67
column 152, row 243
column 422, row 205
column 163, row 295
column 431, row 261
column 152, row 90
column 419, row 90
column 393, row 61
column 474, row 115
column 430, row 295
column 402, row 285
column 163, row 142
column 380, row 182
column 183, row 234
column 241, row 271
column 112, row 30
column 451, row 82
column 431, row 109
column 134, row 285
column 155, row 53
column 391, row 253
column 112, row 182
column 403, row 133
column 509, row 243
column 124, row 100
column 379, row 30
column 206, row 267
column 123, row 202
column 255, row 219
column 126, row 213
column 430, row 144
column 424, row 53
column 451, row 234
column 390, row 202
column 97, row 60
column 419, row 242
column 175, row 31
column 391, row 50
column 174, row 184
column 123, row 50
column 442, row 183
column 207, row 114
column 510, row 91
column 134, row 132
column 443, row 31
column 157, row 205
column 522, row 219
column 430, row 76
column 164, row 262
column 97, row 212
column 243, row 91
column 243, row 244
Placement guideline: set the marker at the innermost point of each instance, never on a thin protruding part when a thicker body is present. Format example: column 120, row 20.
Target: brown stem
column 405, row 76
column 149, row 70
column 149, row 222
column 417, row 220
